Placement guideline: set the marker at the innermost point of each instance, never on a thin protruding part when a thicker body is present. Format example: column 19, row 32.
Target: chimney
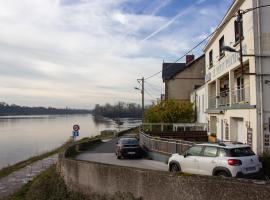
column 189, row 58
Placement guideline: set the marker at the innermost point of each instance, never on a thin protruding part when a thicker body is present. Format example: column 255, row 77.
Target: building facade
column 181, row 78
column 198, row 99
column 238, row 96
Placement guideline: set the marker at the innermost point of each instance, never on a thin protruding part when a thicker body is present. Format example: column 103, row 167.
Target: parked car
column 128, row 147
column 228, row 160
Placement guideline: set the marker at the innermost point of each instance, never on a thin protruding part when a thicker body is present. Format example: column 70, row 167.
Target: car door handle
column 213, row 161
column 195, row 160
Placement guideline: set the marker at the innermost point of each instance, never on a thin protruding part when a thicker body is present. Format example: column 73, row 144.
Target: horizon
column 78, row 53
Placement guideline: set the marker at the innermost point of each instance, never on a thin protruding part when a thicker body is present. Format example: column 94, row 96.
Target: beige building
column 181, row 78
column 238, row 107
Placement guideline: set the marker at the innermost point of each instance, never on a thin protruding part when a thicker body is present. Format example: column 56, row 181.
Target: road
column 104, row 153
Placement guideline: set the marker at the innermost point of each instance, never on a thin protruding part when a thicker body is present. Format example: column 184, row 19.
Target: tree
column 169, row 111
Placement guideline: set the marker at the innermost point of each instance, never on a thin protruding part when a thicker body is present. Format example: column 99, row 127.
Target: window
column 222, row 152
column 241, row 152
column 237, row 31
column 210, row 151
column 221, row 44
column 194, row 151
column 211, row 59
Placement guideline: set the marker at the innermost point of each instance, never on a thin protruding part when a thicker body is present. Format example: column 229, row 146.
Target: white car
column 229, row 160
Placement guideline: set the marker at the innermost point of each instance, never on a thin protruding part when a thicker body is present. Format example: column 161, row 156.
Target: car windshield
column 241, row 152
column 129, row 141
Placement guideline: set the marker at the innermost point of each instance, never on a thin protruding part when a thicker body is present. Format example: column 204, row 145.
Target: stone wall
column 108, row 180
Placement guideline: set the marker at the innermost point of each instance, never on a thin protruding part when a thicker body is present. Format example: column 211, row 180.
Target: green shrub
column 170, row 111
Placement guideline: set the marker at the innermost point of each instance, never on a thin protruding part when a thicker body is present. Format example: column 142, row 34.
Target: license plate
column 250, row 169
column 131, row 153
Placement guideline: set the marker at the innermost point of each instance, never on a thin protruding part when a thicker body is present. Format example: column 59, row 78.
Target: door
column 241, row 132
column 190, row 162
column 208, row 161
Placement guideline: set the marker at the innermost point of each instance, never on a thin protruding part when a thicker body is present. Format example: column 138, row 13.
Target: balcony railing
column 239, row 96
column 224, row 98
column 212, row 102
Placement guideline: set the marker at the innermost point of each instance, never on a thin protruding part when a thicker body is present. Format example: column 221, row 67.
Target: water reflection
column 25, row 136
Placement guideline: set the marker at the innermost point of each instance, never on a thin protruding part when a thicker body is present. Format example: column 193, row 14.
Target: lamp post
column 142, row 92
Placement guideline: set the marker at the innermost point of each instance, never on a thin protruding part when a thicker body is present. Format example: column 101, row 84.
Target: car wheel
column 174, row 168
column 222, row 174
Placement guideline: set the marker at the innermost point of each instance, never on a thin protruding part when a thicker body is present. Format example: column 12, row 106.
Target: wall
column 181, row 85
column 198, row 98
column 106, row 180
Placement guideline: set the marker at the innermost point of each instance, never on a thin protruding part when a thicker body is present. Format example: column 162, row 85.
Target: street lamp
column 230, row 49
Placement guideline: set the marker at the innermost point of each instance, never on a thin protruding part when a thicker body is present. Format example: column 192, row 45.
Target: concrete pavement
column 104, row 153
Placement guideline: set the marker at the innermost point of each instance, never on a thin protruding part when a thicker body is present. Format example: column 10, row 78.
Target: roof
column 169, row 70
column 226, row 145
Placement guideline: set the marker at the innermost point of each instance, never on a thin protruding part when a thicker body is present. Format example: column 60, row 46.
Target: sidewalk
column 14, row 181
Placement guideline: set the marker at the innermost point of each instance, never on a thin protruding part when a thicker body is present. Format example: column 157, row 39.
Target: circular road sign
column 76, row 127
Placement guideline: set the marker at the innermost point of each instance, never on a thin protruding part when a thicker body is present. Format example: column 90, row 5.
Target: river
column 24, row 136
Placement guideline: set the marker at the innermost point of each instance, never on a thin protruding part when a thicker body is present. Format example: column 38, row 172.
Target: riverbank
column 10, row 169
column 50, row 185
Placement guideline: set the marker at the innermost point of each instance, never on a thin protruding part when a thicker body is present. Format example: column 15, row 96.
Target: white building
column 238, row 99
column 198, row 98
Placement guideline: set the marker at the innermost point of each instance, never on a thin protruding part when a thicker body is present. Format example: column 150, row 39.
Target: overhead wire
column 207, row 37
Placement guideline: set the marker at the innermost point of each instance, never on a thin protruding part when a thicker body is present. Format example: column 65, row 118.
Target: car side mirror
column 185, row 154
column 116, row 142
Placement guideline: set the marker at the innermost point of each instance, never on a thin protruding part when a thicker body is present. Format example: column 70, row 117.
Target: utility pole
column 240, row 29
column 141, row 81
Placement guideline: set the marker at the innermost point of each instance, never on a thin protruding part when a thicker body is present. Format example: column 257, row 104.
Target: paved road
column 17, row 179
column 104, row 153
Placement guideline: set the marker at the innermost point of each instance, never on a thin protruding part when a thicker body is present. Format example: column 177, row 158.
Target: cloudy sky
column 78, row 53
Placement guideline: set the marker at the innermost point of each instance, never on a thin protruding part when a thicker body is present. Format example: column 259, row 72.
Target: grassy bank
column 48, row 185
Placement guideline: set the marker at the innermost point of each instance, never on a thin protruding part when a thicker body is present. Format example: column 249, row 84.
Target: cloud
column 79, row 52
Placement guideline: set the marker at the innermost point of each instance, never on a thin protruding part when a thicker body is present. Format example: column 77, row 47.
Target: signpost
column 75, row 132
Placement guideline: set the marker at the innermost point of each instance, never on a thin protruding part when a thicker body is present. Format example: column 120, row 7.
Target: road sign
column 75, row 133
column 76, row 127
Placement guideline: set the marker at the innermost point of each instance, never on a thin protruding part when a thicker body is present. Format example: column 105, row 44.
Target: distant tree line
column 12, row 109
column 119, row 110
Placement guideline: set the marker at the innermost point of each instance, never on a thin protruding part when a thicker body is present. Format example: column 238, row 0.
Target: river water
column 24, row 136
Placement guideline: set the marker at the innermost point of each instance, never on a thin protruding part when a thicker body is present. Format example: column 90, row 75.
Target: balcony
column 224, row 98
column 239, row 96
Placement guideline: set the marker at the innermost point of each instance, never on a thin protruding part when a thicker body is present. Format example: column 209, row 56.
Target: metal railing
column 166, row 146
column 212, row 102
column 160, row 127
column 224, row 98
column 241, row 95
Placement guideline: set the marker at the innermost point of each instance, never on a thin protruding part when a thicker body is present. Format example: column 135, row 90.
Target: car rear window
column 241, row 152
column 130, row 141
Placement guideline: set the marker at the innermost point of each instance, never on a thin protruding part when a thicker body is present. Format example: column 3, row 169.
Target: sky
column 78, row 53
